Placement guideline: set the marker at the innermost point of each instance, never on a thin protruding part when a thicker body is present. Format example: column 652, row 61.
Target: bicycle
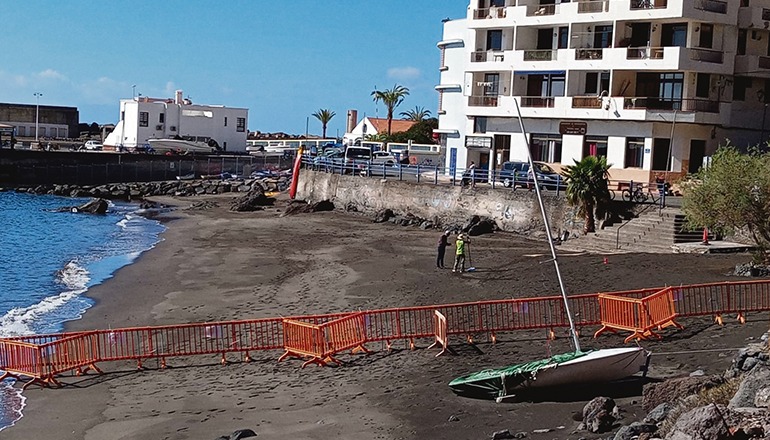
column 637, row 194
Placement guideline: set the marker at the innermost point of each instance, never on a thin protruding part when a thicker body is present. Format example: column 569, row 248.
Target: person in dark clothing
column 404, row 158
column 442, row 244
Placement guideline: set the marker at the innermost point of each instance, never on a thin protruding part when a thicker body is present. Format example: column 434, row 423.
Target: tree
column 588, row 187
column 733, row 193
column 391, row 98
column 420, row 133
column 417, row 115
column 324, row 115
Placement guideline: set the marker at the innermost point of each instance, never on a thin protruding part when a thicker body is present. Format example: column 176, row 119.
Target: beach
column 214, row 264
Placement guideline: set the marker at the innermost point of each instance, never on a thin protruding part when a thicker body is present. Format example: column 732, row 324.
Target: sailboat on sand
column 567, row 369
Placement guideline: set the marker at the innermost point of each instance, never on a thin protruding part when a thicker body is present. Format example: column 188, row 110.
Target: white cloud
column 403, row 73
column 52, row 75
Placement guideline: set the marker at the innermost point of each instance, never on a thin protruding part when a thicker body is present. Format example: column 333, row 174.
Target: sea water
column 49, row 259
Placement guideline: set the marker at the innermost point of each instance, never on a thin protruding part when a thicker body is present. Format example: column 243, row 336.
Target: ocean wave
column 12, row 402
column 73, row 276
column 21, row 320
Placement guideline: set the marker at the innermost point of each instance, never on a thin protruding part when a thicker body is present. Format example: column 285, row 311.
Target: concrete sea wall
column 513, row 210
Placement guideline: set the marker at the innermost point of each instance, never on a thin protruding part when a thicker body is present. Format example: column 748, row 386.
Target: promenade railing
column 41, row 358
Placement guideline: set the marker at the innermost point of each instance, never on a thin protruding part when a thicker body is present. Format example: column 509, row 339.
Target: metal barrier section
column 42, row 357
column 639, row 316
column 440, row 329
column 303, row 340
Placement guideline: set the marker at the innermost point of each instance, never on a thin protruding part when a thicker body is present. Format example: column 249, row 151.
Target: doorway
column 697, row 153
column 660, row 154
column 502, row 148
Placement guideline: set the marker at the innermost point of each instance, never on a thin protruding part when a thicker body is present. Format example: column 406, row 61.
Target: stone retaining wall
column 514, row 211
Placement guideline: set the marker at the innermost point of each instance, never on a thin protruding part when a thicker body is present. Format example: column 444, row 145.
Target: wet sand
column 219, row 265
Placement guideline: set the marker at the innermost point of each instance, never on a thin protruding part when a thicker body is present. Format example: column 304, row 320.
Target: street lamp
column 37, row 112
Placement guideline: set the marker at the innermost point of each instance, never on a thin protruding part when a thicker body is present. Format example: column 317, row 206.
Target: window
column 740, row 85
column 480, row 124
column 706, row 35
column 144, row 119
column 122, row 116
column 161, row 118
column 563, row 37
column 225, row 121
column 597, row 83
column 491, row 84
column 21, row 131
column 634, row 152
column 595, row 146
column 545, row 85
column 546, row 148
column 742, row 41
column 674, row 34
column 240, row 124
column 602, row 36
column 495, row 40
column 702, row 86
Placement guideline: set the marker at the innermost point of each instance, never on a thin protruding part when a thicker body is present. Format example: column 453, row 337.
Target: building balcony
column 539, row 55
column 483, row 101
column 592, row 6
column 681, row 104
column 539, row 10
column 586, row 102
column 751, row 17
column 753, row 65
column 648, row 4
column 485, row 56
column 588, row 54
column 538, row 101
column 668, row 58
column 716, row 6
column 487, row 13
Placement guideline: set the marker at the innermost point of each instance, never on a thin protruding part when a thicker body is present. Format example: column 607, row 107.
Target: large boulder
column 254, row 200
column 634, row 430
column 670, row 390
column 706, row 422
column 94, row 206
column 599, row 415
column 383, row 215
column 302, row 207
column 752, row 383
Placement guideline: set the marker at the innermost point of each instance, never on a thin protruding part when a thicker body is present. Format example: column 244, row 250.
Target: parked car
column 383, row 157
column 92, row 146
column 518, row 173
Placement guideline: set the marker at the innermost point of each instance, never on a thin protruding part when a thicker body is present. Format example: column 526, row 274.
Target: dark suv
column 517, row 173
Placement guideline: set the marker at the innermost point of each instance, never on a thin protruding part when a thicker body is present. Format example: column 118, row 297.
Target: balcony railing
column 588, row 54
column 539, row 55
column 687, row 105
column 486, row 55
column 717, row 6
column 649, row 4
column 764, row 63
column 706, row 55
column 493, row 12
column 586, row 102
column 644, row 53
column 542, row 10
column 537, row 101
column 482, row 101
column 586, row 6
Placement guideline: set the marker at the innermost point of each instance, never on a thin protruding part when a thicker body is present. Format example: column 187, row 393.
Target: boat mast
column 572, row 330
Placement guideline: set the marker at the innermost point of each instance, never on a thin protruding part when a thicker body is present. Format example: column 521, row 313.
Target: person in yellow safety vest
column 462, row 240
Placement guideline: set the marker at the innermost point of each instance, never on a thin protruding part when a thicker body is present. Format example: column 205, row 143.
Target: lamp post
column 37, row 112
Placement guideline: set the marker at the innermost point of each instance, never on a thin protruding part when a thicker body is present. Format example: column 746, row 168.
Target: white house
column 371, row 127
column 653, row 85
column 146, row 118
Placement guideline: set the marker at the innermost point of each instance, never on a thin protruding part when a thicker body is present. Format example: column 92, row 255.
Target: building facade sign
column 478, row 142
column 573, row 127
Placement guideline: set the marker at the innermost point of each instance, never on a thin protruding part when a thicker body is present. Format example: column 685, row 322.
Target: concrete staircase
column 652, row 230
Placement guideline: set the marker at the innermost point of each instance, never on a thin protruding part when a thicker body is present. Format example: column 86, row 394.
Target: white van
column 357, row 157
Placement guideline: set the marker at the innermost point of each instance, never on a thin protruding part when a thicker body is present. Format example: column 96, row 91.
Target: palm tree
column 391, row 98
column 416, row 115
column 324, row 116
column 588, row 187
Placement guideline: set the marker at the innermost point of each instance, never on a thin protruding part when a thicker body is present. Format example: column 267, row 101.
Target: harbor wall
column 446, row 205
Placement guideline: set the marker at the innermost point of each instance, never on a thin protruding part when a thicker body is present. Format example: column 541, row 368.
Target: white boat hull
column 599, row 366
column 177, row 145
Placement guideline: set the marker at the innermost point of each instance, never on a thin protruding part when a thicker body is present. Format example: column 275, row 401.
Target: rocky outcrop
column 599, row 415
column 94, row 206
column 177, row 188
column 302, row 207
column 671, row 390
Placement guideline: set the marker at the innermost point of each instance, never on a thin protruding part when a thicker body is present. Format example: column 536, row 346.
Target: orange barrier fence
column 23, row 356
column 320, row 342
column 440, row 331
column 637, row 315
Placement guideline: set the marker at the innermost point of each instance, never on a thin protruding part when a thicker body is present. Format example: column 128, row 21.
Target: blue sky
column 281, row 60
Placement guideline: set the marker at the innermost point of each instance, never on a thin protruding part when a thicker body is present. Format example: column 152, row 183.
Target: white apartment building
column 653, row 85
column 146, row 118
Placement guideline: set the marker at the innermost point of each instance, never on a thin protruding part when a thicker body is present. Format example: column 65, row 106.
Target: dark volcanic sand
column 217, row 265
